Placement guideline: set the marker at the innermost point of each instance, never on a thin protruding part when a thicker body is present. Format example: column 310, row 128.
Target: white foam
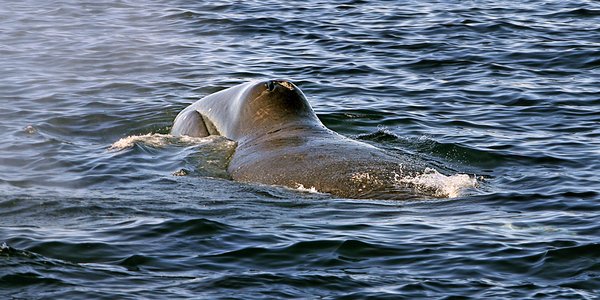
column 157, row 140
column 439, row 184
column 311, row 189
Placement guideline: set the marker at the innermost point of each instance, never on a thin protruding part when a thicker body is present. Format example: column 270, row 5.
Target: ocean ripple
column 92, row 204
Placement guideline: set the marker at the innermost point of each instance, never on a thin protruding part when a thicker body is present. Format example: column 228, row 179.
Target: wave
column 439, row 185
column 158, row 140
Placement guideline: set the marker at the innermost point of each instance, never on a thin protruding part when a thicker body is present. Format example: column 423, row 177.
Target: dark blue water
column 507, row 92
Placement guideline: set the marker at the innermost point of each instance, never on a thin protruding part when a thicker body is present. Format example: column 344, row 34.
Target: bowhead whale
column 280, row 141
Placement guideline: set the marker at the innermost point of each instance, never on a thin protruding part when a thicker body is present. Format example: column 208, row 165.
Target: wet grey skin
column 280, row 141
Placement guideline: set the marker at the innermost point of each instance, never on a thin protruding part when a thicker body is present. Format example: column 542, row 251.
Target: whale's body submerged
column 280, row 141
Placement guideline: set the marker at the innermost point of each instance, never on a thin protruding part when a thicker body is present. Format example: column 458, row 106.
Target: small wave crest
column 311, row 190
column 157, row 140
column 439, row 185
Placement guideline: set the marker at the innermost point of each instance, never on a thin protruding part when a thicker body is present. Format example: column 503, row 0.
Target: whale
column 281, row 141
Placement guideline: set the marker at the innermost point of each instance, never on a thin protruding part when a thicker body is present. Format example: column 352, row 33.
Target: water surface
column 505, row 91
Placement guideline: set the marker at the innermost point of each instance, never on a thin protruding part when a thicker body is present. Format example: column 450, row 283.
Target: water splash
column 439, row 185
column 311, row 190
column 157, row 140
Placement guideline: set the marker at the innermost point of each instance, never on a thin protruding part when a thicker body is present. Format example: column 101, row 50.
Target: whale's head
column 247, row 111
column 269, row 105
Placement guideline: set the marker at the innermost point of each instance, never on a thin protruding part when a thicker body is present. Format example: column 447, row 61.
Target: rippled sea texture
column 508, row 91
